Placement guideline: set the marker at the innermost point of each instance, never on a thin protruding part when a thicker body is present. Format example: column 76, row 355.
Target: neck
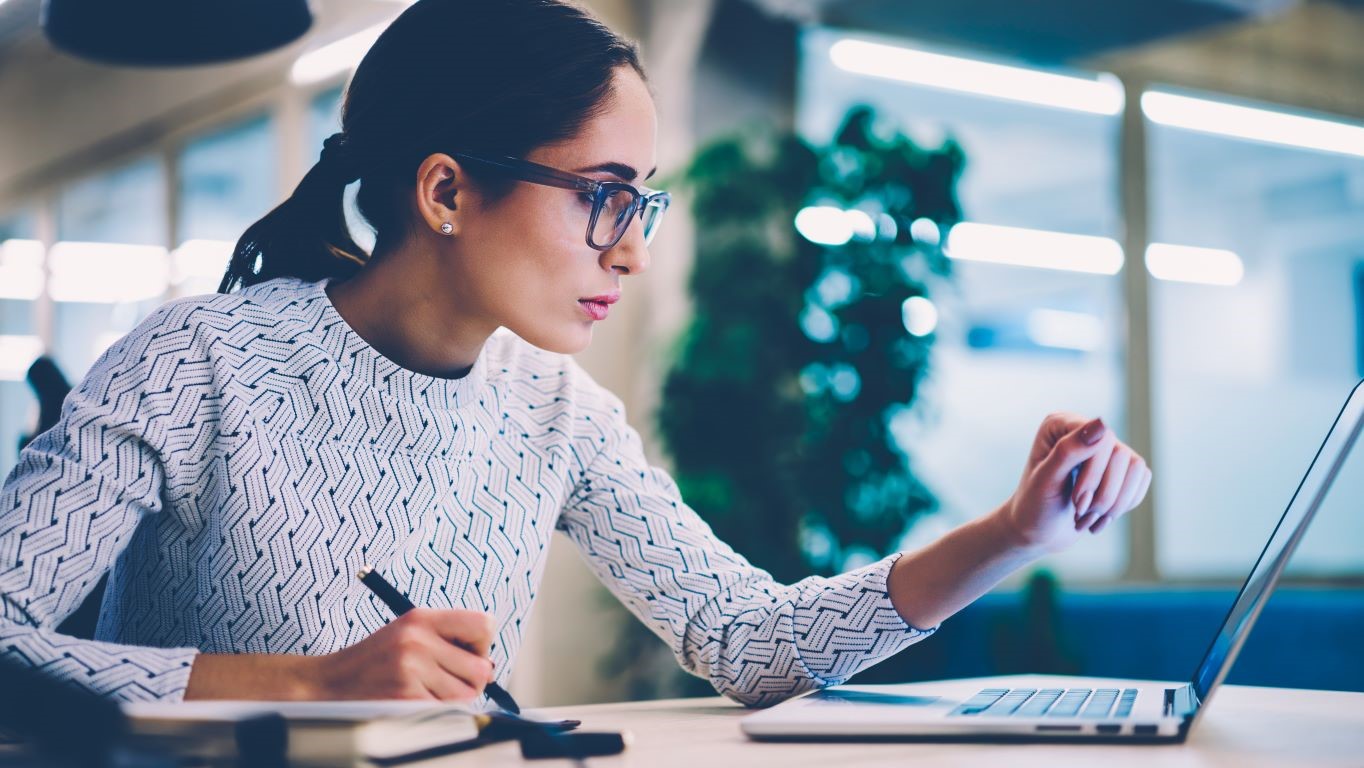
column 400, row 305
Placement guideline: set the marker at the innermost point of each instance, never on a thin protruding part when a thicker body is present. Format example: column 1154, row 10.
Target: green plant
column 777, row 410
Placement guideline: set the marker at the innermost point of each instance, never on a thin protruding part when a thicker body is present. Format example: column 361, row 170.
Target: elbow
column 765, row 691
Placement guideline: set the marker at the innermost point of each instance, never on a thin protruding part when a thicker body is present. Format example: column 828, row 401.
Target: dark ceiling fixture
column 161, row 33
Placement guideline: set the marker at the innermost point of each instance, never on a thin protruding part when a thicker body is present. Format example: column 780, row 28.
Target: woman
column 235, row 459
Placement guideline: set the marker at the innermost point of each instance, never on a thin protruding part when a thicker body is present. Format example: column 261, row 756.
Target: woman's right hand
column 1047, row 512
column 427, row 653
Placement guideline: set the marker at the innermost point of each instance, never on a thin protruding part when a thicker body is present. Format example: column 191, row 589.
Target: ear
column 442, row 189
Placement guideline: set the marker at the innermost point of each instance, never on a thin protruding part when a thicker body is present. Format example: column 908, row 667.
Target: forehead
column 624, row 131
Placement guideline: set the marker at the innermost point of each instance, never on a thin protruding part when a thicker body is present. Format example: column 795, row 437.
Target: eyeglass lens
column 614, row 218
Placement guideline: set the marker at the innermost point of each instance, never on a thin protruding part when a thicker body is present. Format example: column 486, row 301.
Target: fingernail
column 1093, row 432
column 1082, row 506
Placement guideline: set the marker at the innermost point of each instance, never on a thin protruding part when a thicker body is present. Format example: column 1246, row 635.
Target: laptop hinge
column 1180, row 701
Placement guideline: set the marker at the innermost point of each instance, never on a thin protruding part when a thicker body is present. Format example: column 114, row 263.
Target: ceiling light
column 1101, row 94
column 1253, row 123
column 1016, row 246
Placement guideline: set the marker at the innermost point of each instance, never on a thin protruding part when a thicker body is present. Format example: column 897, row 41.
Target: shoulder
column 189, row 325
column 282, row 304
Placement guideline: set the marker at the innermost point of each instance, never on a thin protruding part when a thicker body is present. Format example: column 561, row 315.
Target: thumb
column 1073, row 449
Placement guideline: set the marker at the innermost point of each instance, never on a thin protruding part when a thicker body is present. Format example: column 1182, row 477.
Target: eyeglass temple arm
column 528, row 171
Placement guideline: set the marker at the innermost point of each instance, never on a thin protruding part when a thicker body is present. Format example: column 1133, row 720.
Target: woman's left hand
column 1047, row 511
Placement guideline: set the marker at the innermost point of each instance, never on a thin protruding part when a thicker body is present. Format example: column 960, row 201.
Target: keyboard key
column 1070, row 702
column 1129, row 698
column 1010, row 701
column 1039, row 704
column 1102, row 702
column 980, row 702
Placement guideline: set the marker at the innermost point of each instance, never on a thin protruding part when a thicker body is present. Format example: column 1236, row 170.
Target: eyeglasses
column 614, row 203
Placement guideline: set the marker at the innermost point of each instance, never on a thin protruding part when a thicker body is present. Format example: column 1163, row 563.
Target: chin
column 564, row 341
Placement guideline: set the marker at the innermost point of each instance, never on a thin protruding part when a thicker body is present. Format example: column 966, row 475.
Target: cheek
column 534, row 253
column 544, row 223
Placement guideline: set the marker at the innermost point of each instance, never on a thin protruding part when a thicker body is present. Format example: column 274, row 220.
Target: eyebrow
column 618, row 169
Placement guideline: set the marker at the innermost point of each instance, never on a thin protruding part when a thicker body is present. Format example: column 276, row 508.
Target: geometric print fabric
column 235, row 459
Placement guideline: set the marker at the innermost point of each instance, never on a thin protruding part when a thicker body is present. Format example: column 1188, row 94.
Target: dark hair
column 495, row 77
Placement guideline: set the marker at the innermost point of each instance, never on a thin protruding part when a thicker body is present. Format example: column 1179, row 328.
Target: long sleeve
column 67, row 511
column 756, row 640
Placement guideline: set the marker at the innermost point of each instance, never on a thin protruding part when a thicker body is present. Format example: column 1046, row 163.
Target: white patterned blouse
column 235, row 459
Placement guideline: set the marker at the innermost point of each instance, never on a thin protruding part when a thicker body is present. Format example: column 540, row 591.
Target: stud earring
column 447, row 228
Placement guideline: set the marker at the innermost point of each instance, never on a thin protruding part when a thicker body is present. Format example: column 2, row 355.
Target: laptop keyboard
column 1051, row 702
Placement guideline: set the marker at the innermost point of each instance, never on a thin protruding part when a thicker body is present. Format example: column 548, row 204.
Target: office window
column 226, row 181
column 110, row 266
column 20, row 284
column 324, row 119
column 1254, row 346
column 1014, row 343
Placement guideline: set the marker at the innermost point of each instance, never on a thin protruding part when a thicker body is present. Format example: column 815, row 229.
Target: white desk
column 1242, row 727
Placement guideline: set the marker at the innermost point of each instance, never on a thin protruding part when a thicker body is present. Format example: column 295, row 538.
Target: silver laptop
column 1058, row 708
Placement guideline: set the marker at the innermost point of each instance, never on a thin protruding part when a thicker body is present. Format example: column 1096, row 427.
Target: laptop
column 1059, row 708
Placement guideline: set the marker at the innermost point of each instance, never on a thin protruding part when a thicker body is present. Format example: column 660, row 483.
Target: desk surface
column 1242, row 727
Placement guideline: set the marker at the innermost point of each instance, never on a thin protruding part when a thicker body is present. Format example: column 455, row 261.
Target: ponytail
column 305, row 236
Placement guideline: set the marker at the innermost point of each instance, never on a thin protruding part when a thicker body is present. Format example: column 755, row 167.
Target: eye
column 587, row 198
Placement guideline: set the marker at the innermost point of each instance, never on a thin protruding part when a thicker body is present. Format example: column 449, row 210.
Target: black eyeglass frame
column 535, row 173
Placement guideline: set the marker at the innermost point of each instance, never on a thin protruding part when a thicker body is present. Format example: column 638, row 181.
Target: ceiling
column 1040, row 31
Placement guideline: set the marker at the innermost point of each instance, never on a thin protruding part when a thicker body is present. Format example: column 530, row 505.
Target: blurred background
column 1148, row 211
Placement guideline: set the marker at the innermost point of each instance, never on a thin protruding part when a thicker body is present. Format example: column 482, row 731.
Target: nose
column 630, row 255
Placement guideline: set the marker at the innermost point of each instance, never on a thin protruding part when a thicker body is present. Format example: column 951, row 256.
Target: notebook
column 327, row 733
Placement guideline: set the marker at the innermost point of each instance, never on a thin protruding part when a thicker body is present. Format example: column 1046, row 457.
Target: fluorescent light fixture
column 17, row 353
column 1016, row 246
column 1100, row 95
column 21, row 269
column 334, row 58
column 1065, row 330
column 919, row 315
column 199, row 259
column 830, row 225
column 1253, row 123
column 107, row 273
column 1188, row 264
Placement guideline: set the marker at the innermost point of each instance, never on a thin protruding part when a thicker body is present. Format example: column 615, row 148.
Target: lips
column 597, row 310
column 605, row 298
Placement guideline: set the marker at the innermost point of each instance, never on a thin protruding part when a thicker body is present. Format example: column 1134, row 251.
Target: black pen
column 399, row 604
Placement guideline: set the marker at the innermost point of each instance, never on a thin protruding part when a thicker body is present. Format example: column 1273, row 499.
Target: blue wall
column 1305, row 638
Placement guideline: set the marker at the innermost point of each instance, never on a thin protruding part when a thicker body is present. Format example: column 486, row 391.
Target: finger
column 1091, row 472
column 473, row 671
column 1087, row 519
column 1077, row 446
column 1136, row 477
column 1054, row 427
column 470, row 629
column 445, row 686
column 1131, row 487
column 1119, row 467
column 1145, row 486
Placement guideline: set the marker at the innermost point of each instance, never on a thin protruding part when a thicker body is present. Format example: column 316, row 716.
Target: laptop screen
column 1303, row 506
